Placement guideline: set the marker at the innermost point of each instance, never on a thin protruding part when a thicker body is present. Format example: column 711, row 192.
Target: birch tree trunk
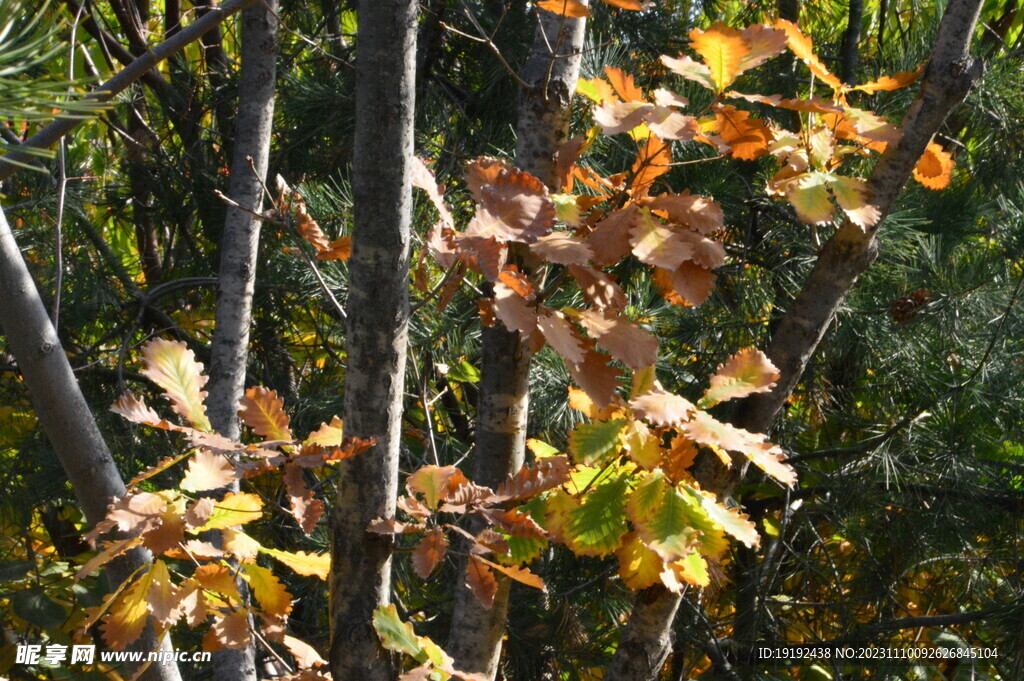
column 646, row 639
column 65, row 416
column 378, row 314
column 238, row 252
column 476, row 631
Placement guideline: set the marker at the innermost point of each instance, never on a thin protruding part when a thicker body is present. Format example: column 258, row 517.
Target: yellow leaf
column 566, row 8
column 722, row 48
column 852, row 196
column 327, row 435
column 234, row 509
column 809, row 197
column 692, row 569
column 173, row 367
column 639, row 566
column 308, row 564
column 127, row 616
column 597, row 90
column 268, row 589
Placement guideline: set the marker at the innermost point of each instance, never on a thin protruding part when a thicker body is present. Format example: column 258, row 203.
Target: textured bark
column 240, row 242
column 948, row 78
column 238, row 252
column 378, row 314
column 550, row 76
column 64, row 414
column 48, row 136
column 849, row 57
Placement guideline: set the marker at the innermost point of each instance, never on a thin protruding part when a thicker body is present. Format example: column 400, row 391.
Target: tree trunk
column 948, row 78
column 476, row 631
column 849, row 57
column 238, row 252
column 378, row 314
column 64, row 414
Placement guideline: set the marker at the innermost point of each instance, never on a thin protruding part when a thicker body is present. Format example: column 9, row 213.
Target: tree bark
column 48, row 136
column 949, row 76
column 64, row 415
column 238, row 252
column 849, row 57
column 378, row 314
column 554, row 62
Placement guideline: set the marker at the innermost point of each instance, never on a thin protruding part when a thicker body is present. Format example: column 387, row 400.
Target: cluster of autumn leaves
column 624, row 488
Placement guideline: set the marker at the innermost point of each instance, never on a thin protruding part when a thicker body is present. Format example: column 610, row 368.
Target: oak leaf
column 662, row 408
column 688, row 284
column 208, row 471
column 429, row 552
column 627, row 342
column 639, row 566
column 566, row 8
column 598, row 288
column 173, row 367
column 305, row 655
column 563, row 248
column 268, row 590
column 658, row 244
column 935, row 168
column 228, row 632
column 263, row 411
column 481, row 581
column 307, row 564
column 561, row 335
column 598, row 378
column 747, row 372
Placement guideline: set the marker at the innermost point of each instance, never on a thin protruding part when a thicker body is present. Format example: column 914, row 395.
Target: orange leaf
column 339, row 249
column 635, row 5
column 481, row 581
column 803, row 47
column 935, row 169
column 893, row 82
column 748, row 137
column 513, row 205
column 652, row 161
column 305, row 509
column 624, row 85
column 429, row 552
column 520, row 574
column 263, row 411
column 229, row 632
column 566, row 8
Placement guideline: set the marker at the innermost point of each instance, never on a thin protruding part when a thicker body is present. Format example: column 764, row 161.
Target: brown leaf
column 513, row 311
column 429, row 552
column 598, row 288
column 651, row 162
column 547, row 473
column 304, row 508
column 697, row 212
column 481, row 581
column 561, row 335
column 442, row 246
column 662, row 408
column 626, row 341
column 228, row 632
column 609, row 241
column 688, row 284
column 659, row 244
column 305, row 655
column 515, row 523
column 566, row 157
column 392, row 526
column 705, row 252
column 520, row 574
column 350, row 446
column 423, row 178
column 512, row 204
column 339, row 249
column 562, row 248
column 485, row 254
column 596, row 376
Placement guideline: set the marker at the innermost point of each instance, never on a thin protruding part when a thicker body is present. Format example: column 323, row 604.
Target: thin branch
column 48, row 136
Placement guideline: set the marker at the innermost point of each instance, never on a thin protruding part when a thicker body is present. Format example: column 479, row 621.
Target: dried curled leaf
column 429, row 552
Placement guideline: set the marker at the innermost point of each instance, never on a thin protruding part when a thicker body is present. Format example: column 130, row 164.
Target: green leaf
column 35, row 607
column 662, row 515
column 597, row 526
column 395, row 634
column 595, row 442
column 464, row 372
